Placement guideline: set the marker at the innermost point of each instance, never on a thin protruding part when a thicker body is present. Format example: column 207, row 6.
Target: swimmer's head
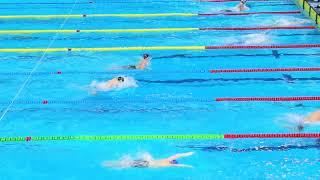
column 145, row 56
column 300, row 127
column 174, row 162
column 120, row 79
column 243, row 1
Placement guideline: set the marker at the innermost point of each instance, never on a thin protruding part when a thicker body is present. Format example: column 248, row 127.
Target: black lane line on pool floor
column 170, row 108
column 286, row 78
column 182, row 81
column 186, row 56
column 254, row 149
column 27, row 38
column 140, row 107
column 275, row 53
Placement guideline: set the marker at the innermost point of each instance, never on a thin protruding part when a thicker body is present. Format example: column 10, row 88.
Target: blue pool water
column 175, row 96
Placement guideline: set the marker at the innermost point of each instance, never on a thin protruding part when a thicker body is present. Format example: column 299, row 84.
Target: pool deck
column 314, row 5
column 310, row 8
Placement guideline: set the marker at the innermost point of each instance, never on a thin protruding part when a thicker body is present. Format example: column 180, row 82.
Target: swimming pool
column 175, row 96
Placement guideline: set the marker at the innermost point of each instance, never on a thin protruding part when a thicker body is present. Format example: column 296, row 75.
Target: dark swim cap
column 174, row 162
column 300, row 127
column 120, row 79
column 145, row 56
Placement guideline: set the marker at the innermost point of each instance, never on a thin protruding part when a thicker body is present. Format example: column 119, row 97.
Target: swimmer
column 297, row 123
column 113, row 83
column 119, row 82
column 242, row 6
column 148, row 162
column 143, row 64
column 312, row 118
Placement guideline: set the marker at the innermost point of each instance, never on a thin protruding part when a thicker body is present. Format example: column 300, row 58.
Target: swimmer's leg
column 130, row 67
column 92, row 88
column 93, row 92
column 293, row 122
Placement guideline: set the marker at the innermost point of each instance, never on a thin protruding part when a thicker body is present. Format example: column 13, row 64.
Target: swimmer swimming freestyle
column 298, row 123
column 117, row 83
column 143, row 64
column 148, row 162
column 240, row 7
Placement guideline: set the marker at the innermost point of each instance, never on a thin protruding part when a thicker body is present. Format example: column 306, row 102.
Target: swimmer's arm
column 182, row 165
column 109, row 164
column 111, row 83
column 142, row 64
column 180, row 155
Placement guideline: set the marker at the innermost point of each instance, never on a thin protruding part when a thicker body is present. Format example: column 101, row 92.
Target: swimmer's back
column 313, row 117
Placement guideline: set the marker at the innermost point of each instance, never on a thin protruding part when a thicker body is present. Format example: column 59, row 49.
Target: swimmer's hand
column 188, row 153
column 180, row 155
column 182, row 165
column 115, row 68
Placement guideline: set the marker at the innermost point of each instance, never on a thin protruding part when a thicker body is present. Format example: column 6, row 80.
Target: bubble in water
column 291, row 121
column 286, row 21
column 257, row 38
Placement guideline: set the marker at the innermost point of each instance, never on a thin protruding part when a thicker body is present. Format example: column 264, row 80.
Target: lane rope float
column 55, row 16
column 154, row 30
column 158, row 48
column 265, row 70
column 131, row 100
column 258, row 70
column 249, row 13
column 171, row 100
column 295, row 98
column 159, row 137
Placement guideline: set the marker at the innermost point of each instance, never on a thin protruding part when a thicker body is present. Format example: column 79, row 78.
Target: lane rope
column 153, row 30
column 159, row 137
column 300, row 69
column 295, row 98
column 171, row 100
column 131, row 100
column 265, row 70
column 264, row 46
column 55, row 16
column 258, row 28
column 276, row 135
column 158, row 48
column 249, row 13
